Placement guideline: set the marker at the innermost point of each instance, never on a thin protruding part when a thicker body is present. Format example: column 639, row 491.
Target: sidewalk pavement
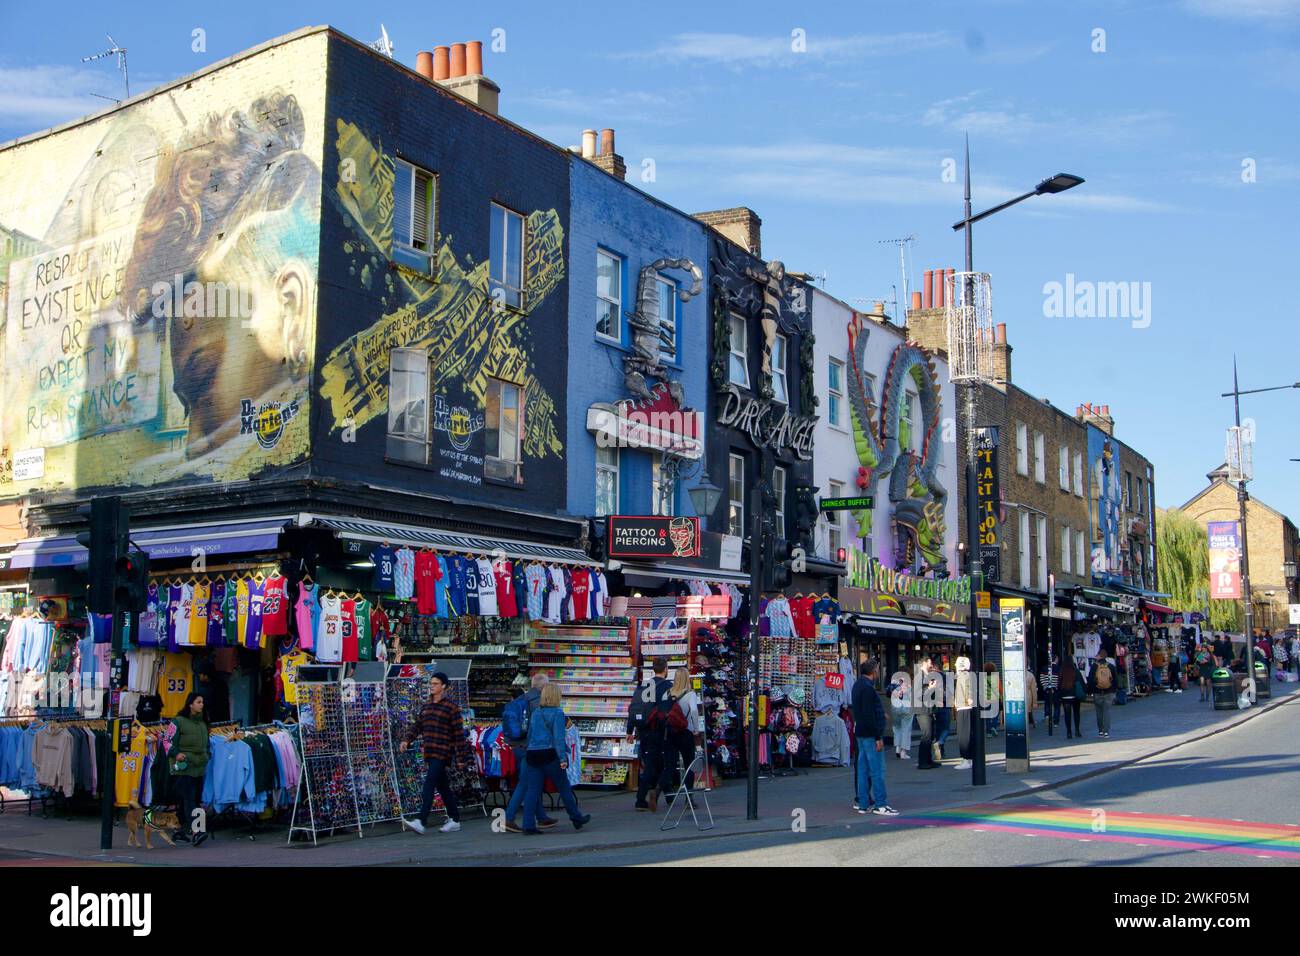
column 817, row 798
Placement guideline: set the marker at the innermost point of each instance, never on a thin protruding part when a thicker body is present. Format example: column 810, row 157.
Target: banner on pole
column 1225, row 561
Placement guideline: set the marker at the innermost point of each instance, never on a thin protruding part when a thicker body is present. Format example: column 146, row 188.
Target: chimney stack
column 916, row 301
column 927, row 289
column 940, row 289
column 607, row 159
column 1098, row 415
column 741, row 225
column 424, row 64
column 459, row 68
column 1001, row 354
column 588, row 144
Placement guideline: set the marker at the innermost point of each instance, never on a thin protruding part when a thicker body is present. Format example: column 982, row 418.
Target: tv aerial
column 384, row 45
column 120, row 53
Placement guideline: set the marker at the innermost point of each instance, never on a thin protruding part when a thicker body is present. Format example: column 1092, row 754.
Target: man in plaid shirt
column 443, row 733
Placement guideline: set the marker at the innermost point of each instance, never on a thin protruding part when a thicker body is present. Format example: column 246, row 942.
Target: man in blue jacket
column 869, row 728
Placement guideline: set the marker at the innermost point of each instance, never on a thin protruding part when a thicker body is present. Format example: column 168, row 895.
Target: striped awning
column 361, row 530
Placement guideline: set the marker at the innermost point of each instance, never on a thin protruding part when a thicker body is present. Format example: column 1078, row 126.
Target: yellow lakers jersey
column 175, row 682
column 289, row 665
column 241, row 610
column 199, row 615
column 130, row 768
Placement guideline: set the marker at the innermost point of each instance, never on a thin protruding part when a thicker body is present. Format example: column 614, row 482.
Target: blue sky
column 844, row 144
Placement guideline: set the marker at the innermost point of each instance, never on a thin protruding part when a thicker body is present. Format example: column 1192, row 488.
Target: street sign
column 1294, row 610
column 984, row 605
column 847, row 504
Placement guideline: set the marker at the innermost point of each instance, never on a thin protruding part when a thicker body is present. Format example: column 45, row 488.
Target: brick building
column 1272, row 541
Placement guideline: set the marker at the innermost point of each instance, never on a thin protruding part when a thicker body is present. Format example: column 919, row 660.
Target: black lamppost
column 1242, row 497
column 1050, row 186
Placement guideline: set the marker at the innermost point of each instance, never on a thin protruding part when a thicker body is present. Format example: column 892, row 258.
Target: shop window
column 503, row 425
column 780, row 378
column 835, row 389
column 408, row 405
column 415, row 195
column 607, row 462
column 739, row 367
column 609, row 295
column 667, row 319
column 506, row 257
column 736, row 495
column 1022, row 450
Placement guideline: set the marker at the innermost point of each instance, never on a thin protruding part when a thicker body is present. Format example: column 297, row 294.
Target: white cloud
column 1253, row 10
column 969, row 114
column 739, row 50
column 42, row 96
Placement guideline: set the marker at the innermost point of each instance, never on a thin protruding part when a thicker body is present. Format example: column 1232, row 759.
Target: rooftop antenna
column 120, row 53
column 902, row 266
column 383, row 44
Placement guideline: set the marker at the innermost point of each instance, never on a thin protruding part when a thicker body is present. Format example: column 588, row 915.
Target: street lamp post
column 1050, row 186
column 1242, row 497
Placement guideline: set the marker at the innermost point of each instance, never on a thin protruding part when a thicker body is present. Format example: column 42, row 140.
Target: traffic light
column 777, row 553
column 107, row 540
column 131, row 573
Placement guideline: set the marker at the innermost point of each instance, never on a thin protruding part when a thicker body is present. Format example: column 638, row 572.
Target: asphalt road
column 1227, row 800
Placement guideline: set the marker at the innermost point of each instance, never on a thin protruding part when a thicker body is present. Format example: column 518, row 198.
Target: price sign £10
column 834, row 681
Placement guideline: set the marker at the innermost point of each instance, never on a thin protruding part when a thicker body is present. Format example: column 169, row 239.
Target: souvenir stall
column 1107, row 620
column 1164, row 627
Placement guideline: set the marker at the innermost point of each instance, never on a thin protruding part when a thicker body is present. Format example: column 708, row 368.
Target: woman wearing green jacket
column 188, row 764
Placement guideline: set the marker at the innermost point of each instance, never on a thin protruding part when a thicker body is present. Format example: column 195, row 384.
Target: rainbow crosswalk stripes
column 1278, row 840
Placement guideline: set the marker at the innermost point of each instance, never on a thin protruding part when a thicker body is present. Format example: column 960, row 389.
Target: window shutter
column 420, row 212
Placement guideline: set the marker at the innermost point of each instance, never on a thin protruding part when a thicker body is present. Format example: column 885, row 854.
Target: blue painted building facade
column 616, row 231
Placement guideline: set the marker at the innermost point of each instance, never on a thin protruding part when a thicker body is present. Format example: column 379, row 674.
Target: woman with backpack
column 1204, row 668
column 685, row 726
column 1101, row 684
column 1071, row 692
column 547, row 757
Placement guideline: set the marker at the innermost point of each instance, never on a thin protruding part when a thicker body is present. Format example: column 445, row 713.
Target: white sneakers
column 415, row 825
column 451, row 826
column 964, row 765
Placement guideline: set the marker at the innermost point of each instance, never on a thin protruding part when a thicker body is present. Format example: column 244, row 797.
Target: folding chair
column 688, row 797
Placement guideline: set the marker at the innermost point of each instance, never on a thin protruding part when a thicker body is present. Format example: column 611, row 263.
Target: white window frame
column 1138, row 503
column 736, row 506
column 738, row 354
column 1067, row 544
column 835, row 521
column 612, row 472
column 410, row 249
column 1022, row 449
column 1040, row 526
column 1040, row 455
column 1063, row 454
column 780, row 481
column 1024, row 549
column 781, row 369
column 660, row 504
column 1078, row 473
column 504, row 467
column 404, row 441
column 616, row 302
column 1081, row 561
column 668, row 302
column 911, row 405
column 511, row 296
column 835, row 405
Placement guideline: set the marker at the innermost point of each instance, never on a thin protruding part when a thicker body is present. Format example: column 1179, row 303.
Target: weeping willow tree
column 1183, row 554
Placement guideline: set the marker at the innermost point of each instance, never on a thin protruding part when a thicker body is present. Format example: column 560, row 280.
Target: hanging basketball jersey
column 487, row 589
column 503, row 571
column 242, row 607
column 469, row 574
column 199, row 614
column 217, row 614
column 329, row 635
column 351, row 650
column 173, row 608
column 404, row 575
column 307, row 614
column 230, row 613
column 253, row 636
column 275, row 607
column 175, row 681
column 150, row 618
column 365, row 645
column 183, row 612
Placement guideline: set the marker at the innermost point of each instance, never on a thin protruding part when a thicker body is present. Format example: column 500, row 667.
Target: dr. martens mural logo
column 457, row 422
column 267, row 421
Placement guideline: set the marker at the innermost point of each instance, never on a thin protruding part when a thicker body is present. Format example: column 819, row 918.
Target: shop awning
column 883, row 627
column 942, row 632
column 657, row 573
column 1088, row 609
column 1158, row 608
column 182, row 541
column 378, row 532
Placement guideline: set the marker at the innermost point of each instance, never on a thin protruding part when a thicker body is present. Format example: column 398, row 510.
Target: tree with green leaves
column 1183, row 559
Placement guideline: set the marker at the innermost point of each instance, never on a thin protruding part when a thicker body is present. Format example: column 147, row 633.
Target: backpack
column 514, row 719
column 667, row 716
column 1104, row 677
column 643, row 706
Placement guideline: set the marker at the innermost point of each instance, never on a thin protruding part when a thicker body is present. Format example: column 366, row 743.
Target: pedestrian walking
column 514, row 727
column 547, row 758
column 1031, row 695
column 190, row 752
column 929, row 700
column 869, row 728
column 650, row 735
column 1072, row 690
column 1050, row 683
column 1101, row 684
column 441, row 731
column 685, row 735
column 900, row 703
column 993, row 696
column 964, row 704
column 1204, row 669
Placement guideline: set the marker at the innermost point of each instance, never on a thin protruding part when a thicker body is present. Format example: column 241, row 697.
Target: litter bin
column 1261, row 682
column 1222, row 684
